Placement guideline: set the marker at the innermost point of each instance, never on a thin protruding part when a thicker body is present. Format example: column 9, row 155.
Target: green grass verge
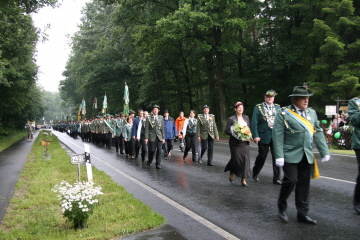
column 35, row 213
column 6, row 141
column 349, row 152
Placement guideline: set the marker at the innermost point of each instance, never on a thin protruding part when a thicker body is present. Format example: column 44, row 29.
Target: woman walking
column 189, row 132
column 238, row 127
column 129, row 141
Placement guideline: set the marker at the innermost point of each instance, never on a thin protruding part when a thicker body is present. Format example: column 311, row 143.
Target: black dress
column 239, row 163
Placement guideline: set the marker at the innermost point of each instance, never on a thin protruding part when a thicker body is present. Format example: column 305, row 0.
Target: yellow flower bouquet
column 241, row 131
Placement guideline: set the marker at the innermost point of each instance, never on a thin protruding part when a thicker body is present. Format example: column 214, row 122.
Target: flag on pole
column 83, row 107
column 104, row 105
column 79, row 113
column 126, row 100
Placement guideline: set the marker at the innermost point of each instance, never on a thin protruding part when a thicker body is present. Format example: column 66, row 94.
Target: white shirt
column 186, row 123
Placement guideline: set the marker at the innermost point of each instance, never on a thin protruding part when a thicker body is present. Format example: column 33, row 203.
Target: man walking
column 154, row 135
column 295, row 129
column 354, row 115
column 261, row 128
column 206, row 132
column 136, row 122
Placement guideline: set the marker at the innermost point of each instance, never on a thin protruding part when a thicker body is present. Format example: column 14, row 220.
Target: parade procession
column 179, row 119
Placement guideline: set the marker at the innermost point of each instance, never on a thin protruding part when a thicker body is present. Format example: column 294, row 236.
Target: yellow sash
column 305, row 122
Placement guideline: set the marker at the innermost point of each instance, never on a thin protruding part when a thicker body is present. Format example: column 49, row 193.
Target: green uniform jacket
column 204, row 127
column 154, row 129
column 291, row 140
column 354, row 114
column 108, row 126
column 259, row 125
column 127, row 131
column 101, row 127
column 119, row 126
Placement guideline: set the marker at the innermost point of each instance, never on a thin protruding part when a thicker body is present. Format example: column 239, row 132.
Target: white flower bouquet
column 241, row 131
column 77, row 201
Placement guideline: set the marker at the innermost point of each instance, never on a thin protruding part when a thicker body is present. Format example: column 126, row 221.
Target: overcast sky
column 52, row 55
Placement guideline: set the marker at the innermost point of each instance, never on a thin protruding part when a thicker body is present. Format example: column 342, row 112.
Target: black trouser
column 108, row 140
column 260, row 160
column 140, row 144
column 152, row 147
column 130, row 147
column 190, row 142
column 168, row 146
column 296, row 175
column 357, row 186
column 205, row 144
column 119, row 143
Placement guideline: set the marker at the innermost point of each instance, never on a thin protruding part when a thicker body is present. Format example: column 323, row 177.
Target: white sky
column 52, row 55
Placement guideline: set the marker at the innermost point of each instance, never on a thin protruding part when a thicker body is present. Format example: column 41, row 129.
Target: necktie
column 302, row 113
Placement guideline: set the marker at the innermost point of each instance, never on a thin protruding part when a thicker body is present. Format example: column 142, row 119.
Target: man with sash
column 119, row 132
column 261, row 127
column 154, row 135
column 206, row 132
column 295, row 129
column 140, row 135
column 136, row 122
column 354, row 115
column 108, row 131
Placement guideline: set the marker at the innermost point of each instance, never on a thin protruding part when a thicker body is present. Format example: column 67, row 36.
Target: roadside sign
column 330, row 110
column 78, row 159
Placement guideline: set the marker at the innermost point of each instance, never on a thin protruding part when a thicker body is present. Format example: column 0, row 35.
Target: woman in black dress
column 238, row 127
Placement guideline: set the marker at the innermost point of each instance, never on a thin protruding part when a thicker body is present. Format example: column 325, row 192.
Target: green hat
column 108, row 115
column 117, row 115
column 271, row 93
column 111, row 116
column 156, row 106
column 300, row 91
column 121, row 114
column 206, row 106
column 132, row 112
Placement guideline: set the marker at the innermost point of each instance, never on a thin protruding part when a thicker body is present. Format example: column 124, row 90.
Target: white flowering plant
column 77, row 201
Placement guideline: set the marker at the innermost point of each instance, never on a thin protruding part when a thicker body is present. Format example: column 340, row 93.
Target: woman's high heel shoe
column 231, row 177
column 243, row 183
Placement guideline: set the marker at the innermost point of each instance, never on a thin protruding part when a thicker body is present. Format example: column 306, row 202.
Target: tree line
column 182, row 54
column 20, row 97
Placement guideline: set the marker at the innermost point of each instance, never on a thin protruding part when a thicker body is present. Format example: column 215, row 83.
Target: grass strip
column 349, row 152
column 35, row 213
column 6, row 141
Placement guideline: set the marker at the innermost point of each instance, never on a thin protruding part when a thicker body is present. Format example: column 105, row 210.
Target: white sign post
column 88, row 162
column 83, row 159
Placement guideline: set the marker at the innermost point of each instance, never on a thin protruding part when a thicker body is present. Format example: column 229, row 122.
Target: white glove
column 325, row 158
column 279, row 162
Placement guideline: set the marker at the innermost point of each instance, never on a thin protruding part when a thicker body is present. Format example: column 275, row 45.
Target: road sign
column 78, row 159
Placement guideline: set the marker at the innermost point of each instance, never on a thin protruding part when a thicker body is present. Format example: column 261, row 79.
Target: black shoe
column 231, row 181
column 306, row 219
column 166, row 158
column 283, row 216
column 255, row 177
column 149, row 164
column 194, row 160
column 158, row 167
column 200, row 162
column 357, row 207
column 184, row 158
column 277, row 182
column 210, row 164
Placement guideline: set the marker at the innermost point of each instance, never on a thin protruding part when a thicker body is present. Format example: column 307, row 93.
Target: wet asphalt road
column 199, row 202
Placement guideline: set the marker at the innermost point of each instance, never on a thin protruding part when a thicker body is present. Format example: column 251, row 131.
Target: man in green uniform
column 354, row 114
column 262, row 123
column 118, row 132
column 206, row 132
column 154, row 135
column 295, row 129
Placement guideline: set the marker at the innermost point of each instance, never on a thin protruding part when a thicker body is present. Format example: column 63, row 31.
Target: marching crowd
column 287, row 132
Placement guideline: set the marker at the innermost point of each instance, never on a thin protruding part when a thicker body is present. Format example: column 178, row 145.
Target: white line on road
column 183, row 209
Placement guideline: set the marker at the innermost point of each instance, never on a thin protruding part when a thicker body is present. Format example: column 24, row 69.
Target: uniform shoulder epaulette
column 276, row 104
column 356, row 98
column 259, row 104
